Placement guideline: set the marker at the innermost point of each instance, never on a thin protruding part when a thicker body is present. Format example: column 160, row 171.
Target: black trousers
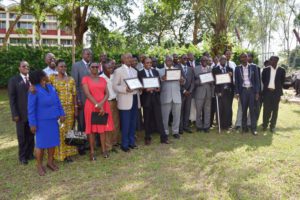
column 225, row 101
column 153, row 113
column 247, row 101
column 25, row 140
column 213, row 110
column 271, row 105
column 185, row 113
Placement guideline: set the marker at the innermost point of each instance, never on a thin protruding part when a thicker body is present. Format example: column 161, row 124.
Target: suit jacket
column 18, row 95
column 147, row 96
column 124, row 98
column 279, row 79
column 202, row 90
column 169, row 90
column 220, row 88
column 79, row 70
column 189, row 80
column 254, row 78
column 44, row 105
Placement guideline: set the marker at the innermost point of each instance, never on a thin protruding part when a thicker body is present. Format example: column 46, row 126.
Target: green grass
column 198, row 166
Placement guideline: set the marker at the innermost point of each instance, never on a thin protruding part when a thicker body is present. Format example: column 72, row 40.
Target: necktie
column 185, row 70
column 149, row 73
column 27, row 82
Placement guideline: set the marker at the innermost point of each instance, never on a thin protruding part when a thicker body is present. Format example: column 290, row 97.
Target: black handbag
column 75, row 137
column 98, row 119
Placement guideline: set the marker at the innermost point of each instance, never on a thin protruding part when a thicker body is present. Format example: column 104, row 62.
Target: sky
column 276, row 41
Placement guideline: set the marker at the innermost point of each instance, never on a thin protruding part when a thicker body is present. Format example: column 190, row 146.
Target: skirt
column 47, row 134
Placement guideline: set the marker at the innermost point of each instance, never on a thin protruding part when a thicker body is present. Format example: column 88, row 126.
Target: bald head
column 126, row 59
column 48, row 57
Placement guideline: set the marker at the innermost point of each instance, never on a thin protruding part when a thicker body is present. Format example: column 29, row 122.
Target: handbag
column 75, row 137
column 99, row 119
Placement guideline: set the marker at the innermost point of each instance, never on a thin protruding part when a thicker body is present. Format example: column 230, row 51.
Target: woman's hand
column 101, row 111
column 32, row 89
column 62, row 119
column 33, row 129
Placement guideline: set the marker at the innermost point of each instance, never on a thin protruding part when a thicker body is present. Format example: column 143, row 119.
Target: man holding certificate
column 224, row 91
column 247, row 89
column 150, row 100
column 203, row 94
column 186, row 91
column 170, row 96
column 128, row 101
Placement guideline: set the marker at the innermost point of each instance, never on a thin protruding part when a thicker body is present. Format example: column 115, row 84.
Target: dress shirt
column 246, row 76
column 184, row 67
column 85, row 63
column 149, row 73
column 50, row 71
column 129, row 71
column 112, row 94
column 25, row 78
column 272, row 77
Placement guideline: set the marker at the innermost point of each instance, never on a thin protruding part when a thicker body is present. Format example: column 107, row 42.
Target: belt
column 113, row 99
column 247, row 88
column 271, row 89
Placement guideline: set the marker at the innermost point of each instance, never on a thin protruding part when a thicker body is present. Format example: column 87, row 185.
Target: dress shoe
column 206, row 130
column 31, row 157
column 147, row 142
column 273, row 130
column 188, row 130
column 24, row 162
column 127, row 150
column 264, row 129
column 133, row 146
column 254, row 132
column 176, row 136
column 165, row 142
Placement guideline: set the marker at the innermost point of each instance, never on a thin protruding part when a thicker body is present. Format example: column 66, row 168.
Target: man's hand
column 187, row 93
column 128, row 90
column 16, row 119
column 32, row 89
column 181, row 80
column 33, row 129
column 164, row 78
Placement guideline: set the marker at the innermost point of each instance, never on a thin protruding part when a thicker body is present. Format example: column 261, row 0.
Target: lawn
column 198, row 166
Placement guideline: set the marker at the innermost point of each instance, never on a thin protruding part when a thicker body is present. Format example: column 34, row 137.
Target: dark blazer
column 146, row 96
column 189, row 80
column 18, row 95
column 279, row 79
column 219, row 88
column 254, row 79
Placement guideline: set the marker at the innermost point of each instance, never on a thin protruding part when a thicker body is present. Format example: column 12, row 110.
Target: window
column 12, row 15
column 2, row 25
column 51, row 17
column 27, row 16
column 2, row 15
column 49, row 41
column 20, row 41
column 49, row 26
column 24, row 25
column 1, row 40
column 66, row 42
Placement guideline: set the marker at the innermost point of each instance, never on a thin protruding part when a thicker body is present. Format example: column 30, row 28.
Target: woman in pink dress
column 96, row 92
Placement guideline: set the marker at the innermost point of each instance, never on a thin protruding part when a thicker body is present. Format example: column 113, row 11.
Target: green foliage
column 294, row 59
column 237, row 51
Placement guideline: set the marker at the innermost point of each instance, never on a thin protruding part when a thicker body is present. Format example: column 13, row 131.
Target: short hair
column 86, row 49
column 146, row 59
column 168, row 57
column 59, row 61
column 227, row 50
column 36, row 76
column 266, row 62
column 250, row 54
column 275, row 57
column 48, row 54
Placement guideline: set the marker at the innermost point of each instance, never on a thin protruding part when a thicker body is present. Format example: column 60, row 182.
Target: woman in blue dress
column 44, row 111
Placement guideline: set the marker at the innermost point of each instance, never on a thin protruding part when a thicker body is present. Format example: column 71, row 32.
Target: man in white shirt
column 49, row 70
column 112, row 136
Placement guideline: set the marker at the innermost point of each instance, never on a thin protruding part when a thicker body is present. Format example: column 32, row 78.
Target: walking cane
column 218, row 113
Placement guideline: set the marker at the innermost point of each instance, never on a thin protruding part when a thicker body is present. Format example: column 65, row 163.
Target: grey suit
column 188, row 74
column 170, row 99
column 79, row 70
column 203, row 96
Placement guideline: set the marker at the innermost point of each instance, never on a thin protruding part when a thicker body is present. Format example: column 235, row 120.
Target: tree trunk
column 196, row 28
column 10, row 29
column 81, row 24
column 38, row 32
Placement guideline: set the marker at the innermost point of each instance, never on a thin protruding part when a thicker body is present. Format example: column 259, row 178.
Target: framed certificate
column 206, row 78
column 173, row 74
column 133, row 83
column 151, row 82
column 223, row 79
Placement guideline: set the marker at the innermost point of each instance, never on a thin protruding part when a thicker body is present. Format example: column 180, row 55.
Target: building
column 25, row 32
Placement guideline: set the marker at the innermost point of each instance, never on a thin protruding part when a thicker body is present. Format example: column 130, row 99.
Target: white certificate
column 151, row 82
column 173, row 74
column 223, row 79
column 133, row 83
column 206, row 78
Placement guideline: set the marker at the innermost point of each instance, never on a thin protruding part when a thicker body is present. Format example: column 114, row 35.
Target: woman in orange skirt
column 96, row 93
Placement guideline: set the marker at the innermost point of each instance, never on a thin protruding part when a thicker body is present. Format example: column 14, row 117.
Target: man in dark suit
column 225, row 93
column 191, row 60
column 247, row 88
column 150, row 101
column 18, row 87
column 186, row 93
column 79, row 70
column 273, row 78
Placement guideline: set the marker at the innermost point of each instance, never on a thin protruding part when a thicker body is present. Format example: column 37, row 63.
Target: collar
column 245, row 66
column 126, row 66
column 49, row 68
column 184, row 66
column 23, row 76
column 165, row 66
column 84, row 62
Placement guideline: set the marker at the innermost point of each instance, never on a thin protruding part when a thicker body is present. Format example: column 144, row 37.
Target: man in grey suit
column 203, row 95
column 79, row 70
column 170, row 98
column 186, row 92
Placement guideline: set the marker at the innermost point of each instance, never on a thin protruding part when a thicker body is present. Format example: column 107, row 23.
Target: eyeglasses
column 25, row 66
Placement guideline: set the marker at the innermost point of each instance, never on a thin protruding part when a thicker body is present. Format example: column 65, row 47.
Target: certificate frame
column 148, row 84
column 133, row 83
column 206, row 78
column 173, row 74
column 223, row 79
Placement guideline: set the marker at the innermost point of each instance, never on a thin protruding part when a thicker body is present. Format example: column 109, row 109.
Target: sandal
column 41, row 171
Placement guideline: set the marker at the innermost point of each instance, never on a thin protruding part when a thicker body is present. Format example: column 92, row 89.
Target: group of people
column 48, row 103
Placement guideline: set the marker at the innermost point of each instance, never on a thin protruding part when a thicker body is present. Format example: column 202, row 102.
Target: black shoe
column 188, row 130
column 133, row 146
column 24, row 162
column 68, row 160
column 264, row 129
column 273, row 130
column 206, row 130
column 199, row 129
column 180, row 132
column 127, row 150
column 31, row 157
column 254, row 132
column 176, row 136
column 165, row 142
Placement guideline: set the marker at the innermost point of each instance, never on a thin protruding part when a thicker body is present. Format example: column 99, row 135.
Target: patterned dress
column 66, row 90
